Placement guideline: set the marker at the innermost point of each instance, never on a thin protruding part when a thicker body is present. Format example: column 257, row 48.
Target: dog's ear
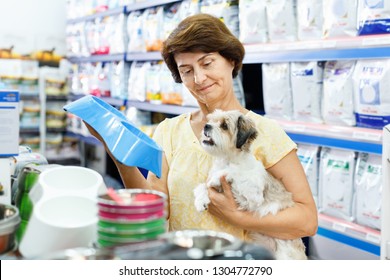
column 246, row 132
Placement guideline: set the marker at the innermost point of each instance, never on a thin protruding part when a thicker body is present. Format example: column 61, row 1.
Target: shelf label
column 367, row 136
column 373, row 238
column 339, row 227
column 376, row 41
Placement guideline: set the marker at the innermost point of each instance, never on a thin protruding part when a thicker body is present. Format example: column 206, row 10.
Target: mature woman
column 203, row 54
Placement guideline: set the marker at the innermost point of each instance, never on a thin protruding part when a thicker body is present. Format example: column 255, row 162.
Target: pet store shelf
column 351, row 234
column 110, row 100
column 353, row 48
column 147, row 4
column 85, row 139
column 144, row 56
column 110, row 12
column 351, row 138
column 97, row 58
column 123, row 9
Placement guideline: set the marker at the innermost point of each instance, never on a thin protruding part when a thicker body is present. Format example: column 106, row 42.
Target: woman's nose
column 199, row 76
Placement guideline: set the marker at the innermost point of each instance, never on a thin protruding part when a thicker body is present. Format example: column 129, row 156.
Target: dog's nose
column 207, row 127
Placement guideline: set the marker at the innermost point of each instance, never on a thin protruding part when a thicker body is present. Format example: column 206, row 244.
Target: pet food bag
column 309, row 19
column 336, row 185
column 371, row 79
column 337, row 102
column 340, row 18
column 277, row 90
column 253, row 21
column 308, row 156
column 368, row 185
column 373, row 17
column 306, row 84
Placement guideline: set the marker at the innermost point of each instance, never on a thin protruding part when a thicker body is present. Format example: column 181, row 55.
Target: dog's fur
column 227, row 136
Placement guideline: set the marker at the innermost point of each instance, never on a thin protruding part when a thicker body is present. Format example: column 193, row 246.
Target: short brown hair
column 205, row 33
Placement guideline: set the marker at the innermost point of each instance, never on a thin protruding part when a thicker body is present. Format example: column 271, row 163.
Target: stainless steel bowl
column 203, row 243
column 9, row 222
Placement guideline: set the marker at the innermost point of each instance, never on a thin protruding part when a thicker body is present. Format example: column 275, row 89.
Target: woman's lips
column 205, row 88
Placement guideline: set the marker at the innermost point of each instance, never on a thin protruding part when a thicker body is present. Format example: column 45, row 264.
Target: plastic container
column 127, row 143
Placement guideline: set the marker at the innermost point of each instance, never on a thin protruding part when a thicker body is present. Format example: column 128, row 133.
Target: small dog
column 227, row 136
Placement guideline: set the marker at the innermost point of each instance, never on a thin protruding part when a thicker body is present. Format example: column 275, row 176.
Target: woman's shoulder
column 262, row 122
column 175, row 121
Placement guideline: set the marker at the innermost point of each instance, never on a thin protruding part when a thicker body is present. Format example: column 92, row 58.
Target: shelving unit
column 351, row 138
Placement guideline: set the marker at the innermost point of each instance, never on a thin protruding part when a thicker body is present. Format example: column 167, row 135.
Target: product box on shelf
column 9, row 123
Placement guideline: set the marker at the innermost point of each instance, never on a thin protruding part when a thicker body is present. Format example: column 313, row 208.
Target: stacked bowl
column 130, row 215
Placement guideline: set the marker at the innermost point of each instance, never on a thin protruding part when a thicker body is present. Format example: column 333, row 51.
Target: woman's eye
column 207, row 63
column 185, row 72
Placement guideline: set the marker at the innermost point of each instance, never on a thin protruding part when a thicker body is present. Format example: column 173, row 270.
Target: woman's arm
column 298, row 221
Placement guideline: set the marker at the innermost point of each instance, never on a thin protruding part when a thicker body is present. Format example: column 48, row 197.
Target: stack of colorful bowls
column 130, row 215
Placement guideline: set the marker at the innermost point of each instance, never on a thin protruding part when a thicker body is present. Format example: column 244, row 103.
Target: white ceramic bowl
column 68, row 180
column 59, row 223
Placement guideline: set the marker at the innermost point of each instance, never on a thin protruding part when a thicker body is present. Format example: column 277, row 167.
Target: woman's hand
column 222, row 204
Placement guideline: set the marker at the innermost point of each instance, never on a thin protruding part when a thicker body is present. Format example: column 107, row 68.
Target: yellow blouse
column 189, row 165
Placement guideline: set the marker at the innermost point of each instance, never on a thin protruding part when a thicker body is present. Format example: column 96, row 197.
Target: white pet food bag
column 373, row 17
column 281, row 20
column 170, row 91
column 137, row 80
column 340, row 18
column 336, row 185
column 253, row 22
column 226, row 10
column 135, row 22
column 306, row 84
column 153, row 31
column 368, row 185
column 308, row 156
column 119, row 79
column 188, row 8
column 371, row 80
column 337, row 102
column 277, row 94
column 309, row 19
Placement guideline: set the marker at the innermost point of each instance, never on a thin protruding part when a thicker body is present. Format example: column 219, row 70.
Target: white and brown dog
column 227, row 136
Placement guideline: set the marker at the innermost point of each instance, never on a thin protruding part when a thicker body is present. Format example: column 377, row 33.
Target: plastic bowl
column 127, row 143
column 134, row 199
column 121, row 225
column 132, row 217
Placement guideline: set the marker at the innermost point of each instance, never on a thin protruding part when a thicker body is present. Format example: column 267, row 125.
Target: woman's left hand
column 222, row 204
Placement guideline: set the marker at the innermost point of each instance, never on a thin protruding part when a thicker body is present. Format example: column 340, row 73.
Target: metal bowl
column 9, row 222
column 204, row 243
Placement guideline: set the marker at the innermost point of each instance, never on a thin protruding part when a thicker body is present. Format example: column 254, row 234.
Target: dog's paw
column 214, row 181
column 200, row 206
column 229, row 179
column 201, row 198
column 201, row 203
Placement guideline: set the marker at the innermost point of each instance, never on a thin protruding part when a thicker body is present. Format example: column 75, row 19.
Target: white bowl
column 68, row 180
column 59, row 223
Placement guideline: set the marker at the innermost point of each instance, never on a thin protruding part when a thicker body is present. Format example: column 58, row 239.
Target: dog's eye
column 224, row 126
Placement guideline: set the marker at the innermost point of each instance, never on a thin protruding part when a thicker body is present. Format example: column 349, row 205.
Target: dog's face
column 227, row 132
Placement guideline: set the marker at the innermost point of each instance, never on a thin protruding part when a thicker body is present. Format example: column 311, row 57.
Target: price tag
column 299, row 128
column 339, row 227
column 367, row 136
column 374, row 238
column 376, row 41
